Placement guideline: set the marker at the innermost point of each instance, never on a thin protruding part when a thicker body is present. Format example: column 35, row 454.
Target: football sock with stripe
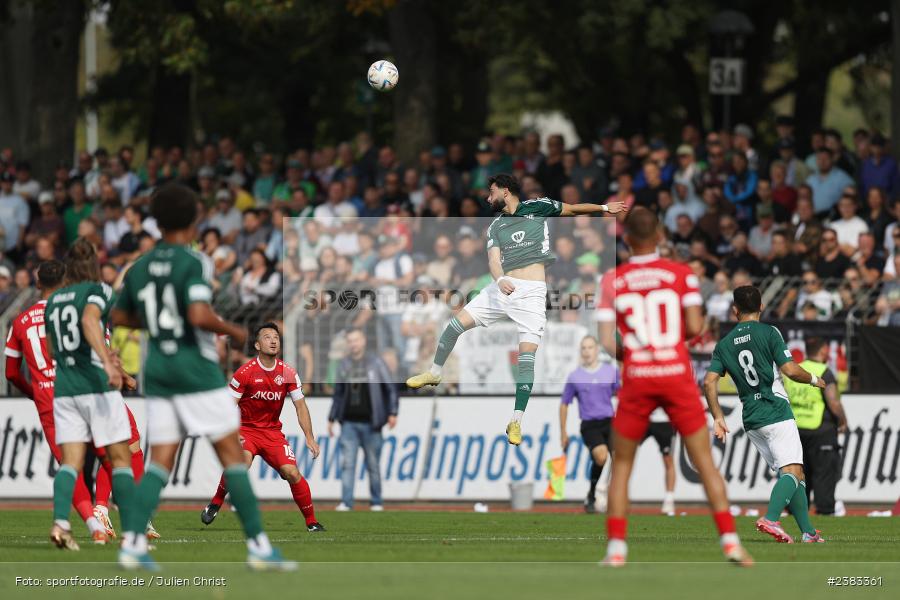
column 799, row 507
column 303, row 499
column 781, row 495
column 445, row 345
column 221, row 491
column 63, row 487
column 525, row 379
column 146, row 499
column 123, row 491
column 244, row 500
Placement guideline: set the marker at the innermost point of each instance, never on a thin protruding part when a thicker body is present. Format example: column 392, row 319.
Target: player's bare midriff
column 533, row 272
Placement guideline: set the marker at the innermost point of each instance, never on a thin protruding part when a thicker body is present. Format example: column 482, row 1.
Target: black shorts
column 663, row 433
column 596, row 432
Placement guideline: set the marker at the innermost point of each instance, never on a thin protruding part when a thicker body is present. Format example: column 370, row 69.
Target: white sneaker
column 839, row 509
column 377, row 508
column 668, row 507
column 342, row 508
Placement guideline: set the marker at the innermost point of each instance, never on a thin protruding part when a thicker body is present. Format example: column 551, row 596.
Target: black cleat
column 313, row 527
column 589, row 505
column 208, row 514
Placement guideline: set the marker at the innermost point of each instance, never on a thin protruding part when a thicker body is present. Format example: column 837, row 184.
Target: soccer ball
column 383, row 75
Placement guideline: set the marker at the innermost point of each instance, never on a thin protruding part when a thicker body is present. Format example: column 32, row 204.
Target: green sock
column 63, row 487
column 244, row 500
column 799, row 507
column 123, row 492
column 525, row 380
column 448, row 339
column 145, row 499
column 781, row 494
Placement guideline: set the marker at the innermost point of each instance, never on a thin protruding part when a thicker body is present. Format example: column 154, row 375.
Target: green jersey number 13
column 68, row 316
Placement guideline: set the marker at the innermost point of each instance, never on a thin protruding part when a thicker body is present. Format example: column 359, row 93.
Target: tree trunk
column 412, row 36
column 170, row 119
column 895, row 71
column 39, row 52
column 809, row 101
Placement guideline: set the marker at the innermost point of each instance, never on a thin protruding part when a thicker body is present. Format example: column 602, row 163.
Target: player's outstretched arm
column 305, row 422
column 201, row 315
column 794, row 371
column 711, row 391
column 611, row 208
column 95, row 335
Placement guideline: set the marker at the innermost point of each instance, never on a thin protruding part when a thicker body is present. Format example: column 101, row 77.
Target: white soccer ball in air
column 383, row 75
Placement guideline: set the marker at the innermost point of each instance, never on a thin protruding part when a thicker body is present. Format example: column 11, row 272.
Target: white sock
column 94, row 525
column 727, row 539
column 436, row 369
column 616, row 547
column 134, row 542
column 64, row 524
column 103, row 509
column 669, row 497
column 260, row 545
column 517, row 415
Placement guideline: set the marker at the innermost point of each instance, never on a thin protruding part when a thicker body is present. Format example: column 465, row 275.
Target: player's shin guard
column 146, row 499
column 63, row 488
column 243, row 499
column 525, row 379
column 303, row 498
column 221, row 491
column 103, row 485
column 137, row 465
column 781, row 495
column 799, row 507
column 448, row 339
column 123, row 491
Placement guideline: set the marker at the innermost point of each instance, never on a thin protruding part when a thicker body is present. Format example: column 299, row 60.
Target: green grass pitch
column 395, row 555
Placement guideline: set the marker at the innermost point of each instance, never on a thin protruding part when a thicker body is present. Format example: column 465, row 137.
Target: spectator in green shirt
column 79, row 210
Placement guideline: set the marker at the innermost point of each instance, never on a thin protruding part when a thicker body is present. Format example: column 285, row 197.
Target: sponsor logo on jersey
column 518, row 236
column 267, row 395
column 258, row 380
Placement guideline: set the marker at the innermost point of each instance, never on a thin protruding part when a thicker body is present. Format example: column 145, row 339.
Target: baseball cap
column 386, row 239
column 101, row 151
column 4, row 272
column 466, row 232
column 439, row 152
column 744, row 130
column 657, row 145
column 45, row 197
column 483, row 146
column 223, row 196
column 685, row 150
column 236, row 179
column 588, row 258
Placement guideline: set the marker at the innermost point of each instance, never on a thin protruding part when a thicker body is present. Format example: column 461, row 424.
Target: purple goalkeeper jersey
column 594, row 390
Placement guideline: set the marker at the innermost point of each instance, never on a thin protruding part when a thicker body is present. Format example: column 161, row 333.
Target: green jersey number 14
column 165, row 317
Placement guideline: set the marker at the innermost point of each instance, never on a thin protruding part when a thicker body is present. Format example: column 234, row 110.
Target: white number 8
column 745, row 357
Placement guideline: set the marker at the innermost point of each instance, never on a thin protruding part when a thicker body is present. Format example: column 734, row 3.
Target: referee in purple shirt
column 594, row 385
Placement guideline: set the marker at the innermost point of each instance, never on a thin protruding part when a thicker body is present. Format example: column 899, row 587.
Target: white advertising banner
column 455, row 449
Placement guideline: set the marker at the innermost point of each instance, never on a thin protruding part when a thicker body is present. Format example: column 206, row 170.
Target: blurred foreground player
column 655, row 304
column 260, row 387
column 168, row 292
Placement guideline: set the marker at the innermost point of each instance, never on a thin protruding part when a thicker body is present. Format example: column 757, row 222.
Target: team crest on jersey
column 518, row 236
column 279, row 380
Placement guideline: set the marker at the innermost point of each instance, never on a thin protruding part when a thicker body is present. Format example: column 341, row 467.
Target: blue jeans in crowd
column 356, row 435
column 390, row 336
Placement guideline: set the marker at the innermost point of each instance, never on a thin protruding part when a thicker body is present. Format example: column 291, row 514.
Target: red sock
column 303, row 498
column 137, row 465
column 104, row 484
column 219, row 498
column 81, row 499
column 724, row 522
column 615, row 528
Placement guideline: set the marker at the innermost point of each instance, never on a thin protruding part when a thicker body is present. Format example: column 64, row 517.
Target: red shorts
column 269, row 444
column 678, row 397
column 135, row 434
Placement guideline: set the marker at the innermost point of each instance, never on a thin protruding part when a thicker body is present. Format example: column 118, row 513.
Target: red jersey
column 646, row 297
column 261, row 392
column 27, row 337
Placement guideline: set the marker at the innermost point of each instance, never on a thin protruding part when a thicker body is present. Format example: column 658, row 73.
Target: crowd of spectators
column 821, row 212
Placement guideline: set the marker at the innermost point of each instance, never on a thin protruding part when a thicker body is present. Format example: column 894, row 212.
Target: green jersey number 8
column 745, row 357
